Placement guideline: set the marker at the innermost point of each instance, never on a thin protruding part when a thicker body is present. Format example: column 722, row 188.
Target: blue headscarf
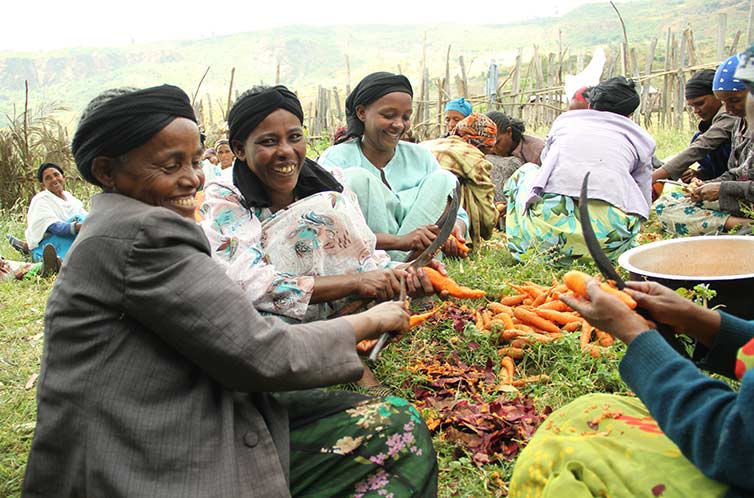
column 725, row 76
column 459, row 105
column 745, row 69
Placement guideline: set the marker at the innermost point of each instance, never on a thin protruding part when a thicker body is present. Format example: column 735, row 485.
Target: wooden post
column 446, row 81
column 440, row 105
column 666, row 84
column 348, row 76
column 689, row 36
column 516, row 86
column 277, row 74
column 209, row 109
column 722, row 27
column 646, row 106
column 230, row 93
column 465, row 81
column 750, row 30
column 338, row 108
column 734, row 44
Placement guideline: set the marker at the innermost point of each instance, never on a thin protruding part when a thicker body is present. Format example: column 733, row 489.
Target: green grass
column 572, row 373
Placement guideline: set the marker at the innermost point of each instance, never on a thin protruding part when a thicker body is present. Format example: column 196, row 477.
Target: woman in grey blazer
column 157, row 370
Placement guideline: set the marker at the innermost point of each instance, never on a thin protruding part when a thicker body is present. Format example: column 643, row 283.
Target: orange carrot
column 574, row 326
column 365, row 346
column 509, row 366
column 540, row 300
column 415, row 320
column 557, row 316
column 586, row 335
column 519, row 343
column 443, row 283
column 513, row 300
column 576, row 282
column 604, row 338
column 512, row 352
column 535, row 320
column 461, row 246
column 498, row 308
column 506, row 319
column 530, row 379
column 555, row 306
column 627, row 300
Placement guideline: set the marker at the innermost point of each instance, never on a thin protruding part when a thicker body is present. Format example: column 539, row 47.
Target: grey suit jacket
column 156, row 367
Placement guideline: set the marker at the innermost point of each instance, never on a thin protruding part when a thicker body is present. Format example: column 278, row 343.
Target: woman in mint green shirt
column 400, row 186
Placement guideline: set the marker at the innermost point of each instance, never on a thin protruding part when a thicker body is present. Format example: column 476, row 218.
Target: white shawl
column 47, row 208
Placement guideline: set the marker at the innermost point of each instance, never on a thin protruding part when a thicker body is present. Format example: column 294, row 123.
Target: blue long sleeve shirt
column 62, row 229
column 711, row 424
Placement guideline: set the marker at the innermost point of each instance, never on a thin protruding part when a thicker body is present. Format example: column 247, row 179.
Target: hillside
column 311, row 56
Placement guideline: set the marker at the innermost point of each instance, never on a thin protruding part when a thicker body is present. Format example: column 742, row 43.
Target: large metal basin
column 725, row 262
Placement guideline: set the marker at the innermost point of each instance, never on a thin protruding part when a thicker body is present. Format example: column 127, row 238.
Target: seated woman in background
column 710, row 145
column 715, row 206
column 543, row 201
column 462, row 153
column 686, row 435
column 455, row 111
column 401, row 188
column 160, row 378
column 54, row 215
column 511, row 140
column 284, row 228
column 224, row 153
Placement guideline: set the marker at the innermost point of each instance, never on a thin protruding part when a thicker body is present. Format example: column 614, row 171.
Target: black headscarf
column 44, row 166
column 126, row 121
column 369, row 89
column 247, row 112
column 616, row 95
column 700, row 84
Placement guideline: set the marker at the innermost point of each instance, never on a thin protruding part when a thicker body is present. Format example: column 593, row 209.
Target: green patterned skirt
column 551, row 227
column 606, row 445
column 347, row 444
column 679, row 215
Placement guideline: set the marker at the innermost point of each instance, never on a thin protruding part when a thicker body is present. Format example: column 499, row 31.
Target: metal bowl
column 725, row 262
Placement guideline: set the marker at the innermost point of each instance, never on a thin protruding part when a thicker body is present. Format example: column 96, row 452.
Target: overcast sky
column 33, row 25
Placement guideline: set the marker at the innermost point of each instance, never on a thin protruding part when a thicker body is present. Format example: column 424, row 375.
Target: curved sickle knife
column 607, row 269
column 446, row 222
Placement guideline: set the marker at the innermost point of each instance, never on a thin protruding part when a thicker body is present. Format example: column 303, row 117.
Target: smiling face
column 165, row 171
column 452, row 118
column 225, row 156
column 275, row 152
column 705, row 107
column 53, row 181
column 734, row 101
column 386, row 120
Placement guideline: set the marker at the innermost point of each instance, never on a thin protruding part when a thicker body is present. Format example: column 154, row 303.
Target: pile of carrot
column 442, row 283
column 534, row 313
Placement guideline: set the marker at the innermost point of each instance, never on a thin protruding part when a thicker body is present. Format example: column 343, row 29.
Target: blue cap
column 459, row 105
column 725, row 76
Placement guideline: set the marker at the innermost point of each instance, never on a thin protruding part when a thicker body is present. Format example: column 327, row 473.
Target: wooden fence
column 534, row 91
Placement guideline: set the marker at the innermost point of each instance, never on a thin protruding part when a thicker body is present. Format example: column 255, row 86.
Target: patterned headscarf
column 725, row 76
column 459, row 105
column 477, row 130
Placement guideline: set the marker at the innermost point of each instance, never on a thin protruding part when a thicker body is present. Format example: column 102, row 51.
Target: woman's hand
column 708, row 192
column 667, row 307
column 688, row 175
column 608, row 313
column 391, row 316
column 418, row 239
column 382, row 285
column 451, row 248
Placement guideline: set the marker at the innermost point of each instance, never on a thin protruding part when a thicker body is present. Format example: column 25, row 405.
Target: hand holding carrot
column 666, row 306
column 454, row 246
column 607, row 312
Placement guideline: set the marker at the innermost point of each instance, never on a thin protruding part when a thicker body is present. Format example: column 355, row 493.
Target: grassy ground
column 571, row 372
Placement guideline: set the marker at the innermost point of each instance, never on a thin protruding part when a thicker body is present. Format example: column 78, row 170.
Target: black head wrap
column 616, row 95
column 369, row 89
column 113, row 125
column 503, row 122
column 247, row 112
column 700, row 84
column 256, row 104
column 44, row 166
